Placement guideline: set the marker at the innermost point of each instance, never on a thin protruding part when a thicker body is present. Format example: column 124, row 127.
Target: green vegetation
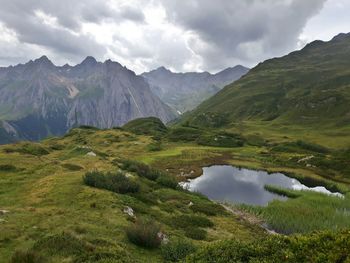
column 286, row 91
column 67, row 206
column 318, row 247
column 115, row 182
column 177, row 250
column 146, row 126
column 144, row 233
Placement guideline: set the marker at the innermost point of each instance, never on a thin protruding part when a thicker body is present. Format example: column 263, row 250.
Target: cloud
column 246, row 31
column 181, row 35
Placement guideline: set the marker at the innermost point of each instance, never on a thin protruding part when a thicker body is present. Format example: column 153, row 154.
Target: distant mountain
column 310, row 87
column 185, row 91
column 38, row 99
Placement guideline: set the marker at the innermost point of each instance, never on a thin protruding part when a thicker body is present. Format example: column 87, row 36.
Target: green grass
column 304, row 212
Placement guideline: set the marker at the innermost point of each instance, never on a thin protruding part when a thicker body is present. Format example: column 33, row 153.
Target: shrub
column 167, row 181
column 177, row 250
column 141, row 169
column 144, row 233
column 209, row 209
column 195, row 233
column 115, row 182
column 7, row 167
column 27, row 257
column 185, row 221
column 221, row 139
column 185, row 134
column 155, row 146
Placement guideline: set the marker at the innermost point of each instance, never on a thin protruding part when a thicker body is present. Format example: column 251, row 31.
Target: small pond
column 237, row 185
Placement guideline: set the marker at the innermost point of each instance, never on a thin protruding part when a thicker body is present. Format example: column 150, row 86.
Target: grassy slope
column 305, row 93
column 45, row 198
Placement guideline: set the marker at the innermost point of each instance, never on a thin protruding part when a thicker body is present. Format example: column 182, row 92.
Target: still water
column 237, row 185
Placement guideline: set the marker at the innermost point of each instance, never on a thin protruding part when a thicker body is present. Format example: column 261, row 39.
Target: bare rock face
column 185, row 91
column 38, row 99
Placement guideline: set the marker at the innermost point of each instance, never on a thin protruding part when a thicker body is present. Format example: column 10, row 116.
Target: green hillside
column 307, row 88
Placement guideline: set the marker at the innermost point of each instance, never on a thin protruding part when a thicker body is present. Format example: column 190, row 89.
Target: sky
column 182, row 35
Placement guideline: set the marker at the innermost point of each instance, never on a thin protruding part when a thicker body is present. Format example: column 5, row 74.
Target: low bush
column 144, row 233
column 222, row 139
column 185, row 221
column 167, row 181
column 185, row 134
column 195, row 233
column 155, row 146
column 141, row 169
column 209, row 209
column 115, row 182
column 29, row 256
column 177, row 250
column 7, row 167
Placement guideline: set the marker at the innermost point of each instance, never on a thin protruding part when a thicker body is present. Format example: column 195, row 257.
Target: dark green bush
column 209, row 209
column 221, row 139
column 167, row 181
column 185, row 221
column 27, row 257
column 115, row 182
column 144, row 233
column 177, row 250
column 185, row 134
column 141, row 169
column 155, row 146
column 7, row 167
column 195, row 233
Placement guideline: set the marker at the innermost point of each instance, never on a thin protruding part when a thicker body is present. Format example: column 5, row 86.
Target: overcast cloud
column 184, row 35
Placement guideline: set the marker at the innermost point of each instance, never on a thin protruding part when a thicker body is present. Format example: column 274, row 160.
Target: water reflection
column 227, row 183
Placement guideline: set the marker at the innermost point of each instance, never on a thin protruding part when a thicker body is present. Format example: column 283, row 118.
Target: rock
column 190, row 204
column 129, row 211
column 163, row 237
column 92, row 154
column 3, row 212
column 307, row 158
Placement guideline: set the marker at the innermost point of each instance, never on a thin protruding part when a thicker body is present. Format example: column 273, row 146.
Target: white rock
column 129, row 211
column 2, row 212
column 91, row 154
column 163, row 237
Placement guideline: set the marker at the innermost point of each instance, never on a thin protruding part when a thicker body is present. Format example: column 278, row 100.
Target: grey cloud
column 246, row 31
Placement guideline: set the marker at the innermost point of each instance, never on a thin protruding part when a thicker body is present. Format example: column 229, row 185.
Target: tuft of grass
column 209, row 209
column 144, row 233
column 281, row 191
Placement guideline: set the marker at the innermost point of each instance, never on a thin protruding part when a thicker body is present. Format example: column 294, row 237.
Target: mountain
column 310, row 87
column 38, row 99
column 185, row 91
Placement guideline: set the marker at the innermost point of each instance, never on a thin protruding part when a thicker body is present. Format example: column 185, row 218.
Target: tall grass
column 309, row 212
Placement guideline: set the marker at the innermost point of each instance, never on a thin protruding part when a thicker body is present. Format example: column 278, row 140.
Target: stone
column 129, row 211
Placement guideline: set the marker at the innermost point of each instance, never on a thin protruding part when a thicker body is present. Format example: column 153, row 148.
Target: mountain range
column 39, row 99
column 308, row 88
column 184, row 91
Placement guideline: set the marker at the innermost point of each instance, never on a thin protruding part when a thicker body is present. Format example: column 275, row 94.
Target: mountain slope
column 39, row 99
column 306, row 87
column 185, row 91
